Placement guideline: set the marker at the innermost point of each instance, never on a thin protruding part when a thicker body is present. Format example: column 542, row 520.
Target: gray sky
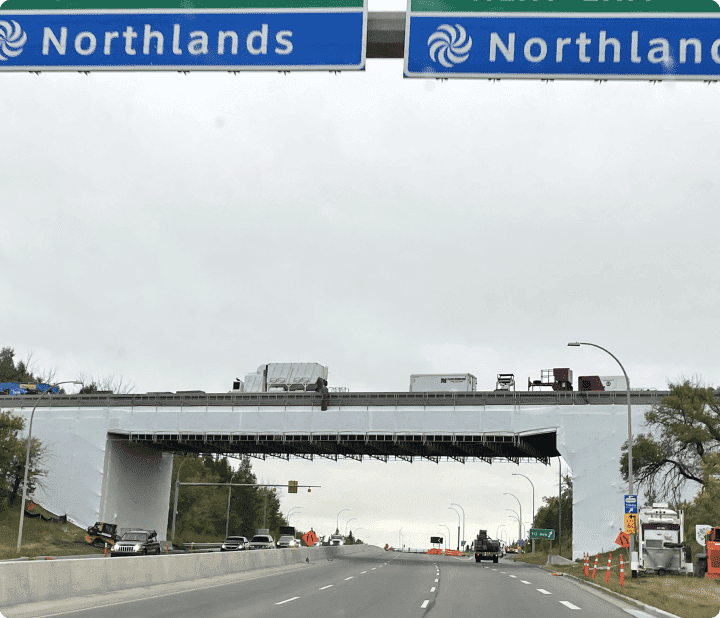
column 181, row 230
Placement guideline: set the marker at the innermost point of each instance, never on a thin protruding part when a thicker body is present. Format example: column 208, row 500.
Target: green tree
column 547, row 516
column 685, row 434
column 12, row 460
column 10, row 371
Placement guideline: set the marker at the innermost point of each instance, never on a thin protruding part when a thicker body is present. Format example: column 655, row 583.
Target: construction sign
column 630, row 523
column 310, row 538
column 623, row 540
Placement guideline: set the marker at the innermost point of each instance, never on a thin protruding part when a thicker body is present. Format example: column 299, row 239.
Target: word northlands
column 86, row 42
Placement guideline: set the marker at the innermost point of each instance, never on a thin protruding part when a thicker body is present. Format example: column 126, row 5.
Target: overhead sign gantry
column 231, row 35
column 555, row 39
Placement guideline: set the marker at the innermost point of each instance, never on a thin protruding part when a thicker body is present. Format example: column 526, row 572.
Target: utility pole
column 559, row 506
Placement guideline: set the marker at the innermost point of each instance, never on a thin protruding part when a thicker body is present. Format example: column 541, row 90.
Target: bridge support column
column 136, row 487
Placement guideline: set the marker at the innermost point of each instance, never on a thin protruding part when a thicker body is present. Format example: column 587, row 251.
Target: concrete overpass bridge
column 111, row 455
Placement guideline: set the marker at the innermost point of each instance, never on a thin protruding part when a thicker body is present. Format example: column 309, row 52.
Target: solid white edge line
column 570, row 605
column 425, row 604
column 543, row 591
column 287, row 601
column 324, row 587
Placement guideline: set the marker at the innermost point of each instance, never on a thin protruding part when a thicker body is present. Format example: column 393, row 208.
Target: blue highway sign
column 584, row 40
column 184, row 39
column 631, row 503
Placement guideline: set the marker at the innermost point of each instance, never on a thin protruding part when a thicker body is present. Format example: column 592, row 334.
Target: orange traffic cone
column 622, row 572
column 595, row 565
column 607, row 575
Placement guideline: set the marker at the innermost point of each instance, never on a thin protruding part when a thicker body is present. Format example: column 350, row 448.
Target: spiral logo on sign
column 12, row 39
column 449, row 45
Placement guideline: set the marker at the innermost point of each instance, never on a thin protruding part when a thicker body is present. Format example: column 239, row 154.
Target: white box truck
column 427, row 382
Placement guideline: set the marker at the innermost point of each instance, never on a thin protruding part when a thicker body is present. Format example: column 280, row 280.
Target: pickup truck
column 486, row 548
column 136, row 543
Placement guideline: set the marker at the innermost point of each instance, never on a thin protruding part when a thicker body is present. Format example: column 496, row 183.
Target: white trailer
column 275, row 377
column 427, row 382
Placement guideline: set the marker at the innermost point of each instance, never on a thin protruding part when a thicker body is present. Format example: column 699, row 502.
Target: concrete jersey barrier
column 48, row 580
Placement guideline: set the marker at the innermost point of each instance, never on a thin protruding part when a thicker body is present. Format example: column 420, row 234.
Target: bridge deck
column 340, row 400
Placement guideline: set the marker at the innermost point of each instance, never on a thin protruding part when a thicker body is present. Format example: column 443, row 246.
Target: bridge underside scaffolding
column 486, row 447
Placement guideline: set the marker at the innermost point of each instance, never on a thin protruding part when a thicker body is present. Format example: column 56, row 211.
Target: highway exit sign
column 541, row 533
column 563, row 39
column 182, row 35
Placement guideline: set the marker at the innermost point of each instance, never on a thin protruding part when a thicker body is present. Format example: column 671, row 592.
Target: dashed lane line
column 570, row 605
column 515, row 576
column 325, row 587
column 363, row 573
column 436, row 581
column 524, row 582
column 543, row 591
column 349, row 577
column 425, row 604
column 432, row 589
column 287, row 601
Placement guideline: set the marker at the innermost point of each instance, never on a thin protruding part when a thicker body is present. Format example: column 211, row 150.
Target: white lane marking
column 348, row 578
column 324, row 587
column 637, row 612
column 524, row 582
column 373, row 568
column 570, row 605
column 432, row 589
column 425, row 604
column 287, row 601
column 494, row 569
column 515, row 576
column 436, row 581
column 363, row 572
column 543, row 591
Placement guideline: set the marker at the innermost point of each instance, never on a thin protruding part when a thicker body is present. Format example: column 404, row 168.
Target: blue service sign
column 631, row 503
column 550, row 46
column 166, row 40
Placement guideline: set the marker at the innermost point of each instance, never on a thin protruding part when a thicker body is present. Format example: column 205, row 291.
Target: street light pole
column 347, row 522
column 227, row 520
column 458, row 514
column 633, row 557
column 533, row 505
column 463, row 512
column 520, row 505
column 337, row 524
column 448, row 536
column 400, row 538
column 27, row 455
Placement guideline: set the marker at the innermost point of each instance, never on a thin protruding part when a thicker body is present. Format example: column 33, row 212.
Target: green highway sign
column 540, row 533
column 565, row 6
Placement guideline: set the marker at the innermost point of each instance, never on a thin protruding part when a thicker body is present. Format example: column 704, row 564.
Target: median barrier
column 35, row 581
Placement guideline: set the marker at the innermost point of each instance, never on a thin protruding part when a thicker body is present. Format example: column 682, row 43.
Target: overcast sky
column 179, row 231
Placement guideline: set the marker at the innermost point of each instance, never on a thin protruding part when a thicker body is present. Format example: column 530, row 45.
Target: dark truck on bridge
column 486, row 548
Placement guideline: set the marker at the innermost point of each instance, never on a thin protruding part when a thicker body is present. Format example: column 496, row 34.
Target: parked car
column 287, row 541
column 235, row 543
column 262, row 541
column 136, row 543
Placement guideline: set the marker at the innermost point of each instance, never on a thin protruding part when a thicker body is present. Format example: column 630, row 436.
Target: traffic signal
column 292, row 487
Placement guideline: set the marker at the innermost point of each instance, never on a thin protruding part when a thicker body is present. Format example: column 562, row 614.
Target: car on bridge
column 262, row 541
column 137, row 543
column 235, row 543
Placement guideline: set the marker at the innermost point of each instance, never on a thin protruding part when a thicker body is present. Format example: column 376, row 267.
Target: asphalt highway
column 387, row 584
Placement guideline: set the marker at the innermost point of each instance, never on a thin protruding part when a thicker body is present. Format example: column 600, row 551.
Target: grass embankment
column 682, row 595
column 40, row 538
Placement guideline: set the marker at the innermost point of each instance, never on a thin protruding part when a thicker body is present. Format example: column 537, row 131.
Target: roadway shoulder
column 629, row 600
